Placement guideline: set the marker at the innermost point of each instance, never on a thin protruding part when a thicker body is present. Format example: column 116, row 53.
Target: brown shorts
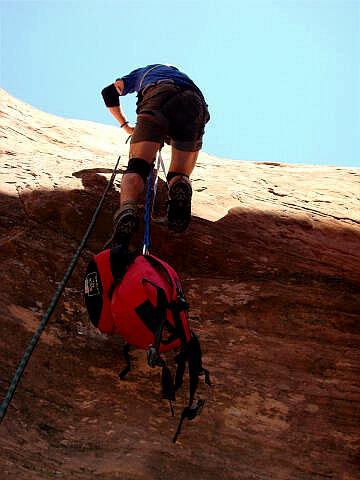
column 169, row 111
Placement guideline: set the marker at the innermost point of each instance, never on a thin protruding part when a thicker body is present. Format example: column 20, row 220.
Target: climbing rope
column 28, row 352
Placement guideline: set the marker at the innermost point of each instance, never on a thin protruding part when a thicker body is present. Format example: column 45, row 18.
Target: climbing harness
column 29, row 350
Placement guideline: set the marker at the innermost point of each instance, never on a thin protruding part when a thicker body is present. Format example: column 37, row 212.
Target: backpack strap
column 120, row 259
column 190, row 413
column 126, row 353
column 153, row 353
column 190, row 353
column 194, row 359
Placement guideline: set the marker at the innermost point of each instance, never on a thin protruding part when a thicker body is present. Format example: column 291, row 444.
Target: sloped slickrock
column 271, row 268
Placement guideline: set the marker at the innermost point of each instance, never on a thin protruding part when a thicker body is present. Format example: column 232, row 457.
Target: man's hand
column 117, row 113
column 128, row 129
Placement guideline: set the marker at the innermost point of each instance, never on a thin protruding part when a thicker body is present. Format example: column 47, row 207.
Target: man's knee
column 139, row 166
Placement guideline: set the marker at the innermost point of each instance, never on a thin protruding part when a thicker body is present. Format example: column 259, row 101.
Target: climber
column 171, row 108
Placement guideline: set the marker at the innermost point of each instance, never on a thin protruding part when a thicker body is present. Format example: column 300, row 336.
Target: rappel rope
column 147, row 214
column 159, row 163
column 28, row 352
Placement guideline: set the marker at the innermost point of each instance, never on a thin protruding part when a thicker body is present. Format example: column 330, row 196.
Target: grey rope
column 29, row 350
column 159, row 163
column 152, row 185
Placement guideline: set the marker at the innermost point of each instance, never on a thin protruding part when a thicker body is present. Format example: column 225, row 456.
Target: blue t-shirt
column 140, row 78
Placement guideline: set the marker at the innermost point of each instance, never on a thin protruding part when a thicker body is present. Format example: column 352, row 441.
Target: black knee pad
column 171, row 175
column 139, row 166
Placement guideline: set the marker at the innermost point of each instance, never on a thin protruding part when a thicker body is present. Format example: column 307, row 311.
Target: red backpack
column 141, row 299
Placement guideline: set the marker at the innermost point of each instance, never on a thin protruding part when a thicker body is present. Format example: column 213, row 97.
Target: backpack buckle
column 153, row 357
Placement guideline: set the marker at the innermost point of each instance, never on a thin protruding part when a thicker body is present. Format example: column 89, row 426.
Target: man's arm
column 111, row 98
column 118, row 114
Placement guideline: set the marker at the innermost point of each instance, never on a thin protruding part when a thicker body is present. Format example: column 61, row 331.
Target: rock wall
column 271, row 268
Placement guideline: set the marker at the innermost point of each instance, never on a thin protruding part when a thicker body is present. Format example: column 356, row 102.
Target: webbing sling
column 152, row 185
column 146, row 73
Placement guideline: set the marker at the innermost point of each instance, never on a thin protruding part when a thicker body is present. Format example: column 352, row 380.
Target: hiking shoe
column 179, row 211
column 125, row 225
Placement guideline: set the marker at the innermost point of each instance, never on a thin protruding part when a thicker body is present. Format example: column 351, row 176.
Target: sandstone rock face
column 271, row 268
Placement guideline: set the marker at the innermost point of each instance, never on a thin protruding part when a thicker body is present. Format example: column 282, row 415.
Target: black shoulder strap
column 176, row 306
column 126, row 370
column 120, row 260
column 194, row 358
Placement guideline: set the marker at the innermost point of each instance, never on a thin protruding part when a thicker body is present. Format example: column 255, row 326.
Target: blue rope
column 147, row 215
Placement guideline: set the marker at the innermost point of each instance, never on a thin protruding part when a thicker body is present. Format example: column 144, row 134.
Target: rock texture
column 271, row 268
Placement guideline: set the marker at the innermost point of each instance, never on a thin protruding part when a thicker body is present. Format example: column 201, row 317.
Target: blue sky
column 281, row 77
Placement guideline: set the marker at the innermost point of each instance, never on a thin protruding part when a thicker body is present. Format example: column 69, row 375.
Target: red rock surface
column 271, row 268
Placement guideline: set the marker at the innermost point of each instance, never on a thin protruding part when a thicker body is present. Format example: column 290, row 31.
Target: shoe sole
column 124, row 229
column 179, row 212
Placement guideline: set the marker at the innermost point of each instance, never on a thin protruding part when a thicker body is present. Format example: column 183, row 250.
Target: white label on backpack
column 91, row 284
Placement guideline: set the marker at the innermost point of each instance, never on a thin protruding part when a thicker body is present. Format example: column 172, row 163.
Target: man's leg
column 187, row 118
column 141, row 156
column 182, row 163
column 180, row 192
column 132, row 183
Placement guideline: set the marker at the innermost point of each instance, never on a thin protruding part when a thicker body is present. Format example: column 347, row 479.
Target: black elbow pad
column 110, row 96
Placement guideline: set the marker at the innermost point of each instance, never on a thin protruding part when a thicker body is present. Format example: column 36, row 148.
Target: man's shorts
column 167, row 111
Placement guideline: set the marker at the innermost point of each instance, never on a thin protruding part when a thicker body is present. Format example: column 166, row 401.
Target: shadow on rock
column 274, row 297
